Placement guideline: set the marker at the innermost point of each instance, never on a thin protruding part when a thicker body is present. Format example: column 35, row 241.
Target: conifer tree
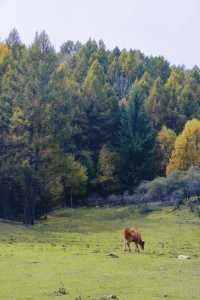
column 137, row 152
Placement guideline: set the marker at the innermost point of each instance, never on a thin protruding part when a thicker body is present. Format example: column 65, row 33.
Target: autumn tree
column 172, row 116
column 84, row 119
column 190, row 95
column 186, row 152
column 106, row 170
column 154, row 104
column 70, row 175
column 165, row 140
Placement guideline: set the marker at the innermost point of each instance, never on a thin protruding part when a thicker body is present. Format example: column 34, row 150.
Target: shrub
column 177, row 188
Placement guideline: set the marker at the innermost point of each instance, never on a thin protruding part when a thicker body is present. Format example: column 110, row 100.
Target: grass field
column 68, row 250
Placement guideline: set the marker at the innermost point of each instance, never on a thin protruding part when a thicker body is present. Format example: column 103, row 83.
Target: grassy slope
column 69, row 249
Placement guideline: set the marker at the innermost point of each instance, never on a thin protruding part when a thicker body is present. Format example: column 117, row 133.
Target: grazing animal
column 133, row 235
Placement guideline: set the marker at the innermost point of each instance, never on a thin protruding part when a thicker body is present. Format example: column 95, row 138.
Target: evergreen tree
column 84, row 119
column 137, row 144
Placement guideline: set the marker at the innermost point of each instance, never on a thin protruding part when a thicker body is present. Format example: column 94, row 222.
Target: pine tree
column 137, row 143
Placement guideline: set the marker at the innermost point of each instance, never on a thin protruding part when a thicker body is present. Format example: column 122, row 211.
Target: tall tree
column 100, row 108
column 165, row 139
column 137, row 153
column 187, row 148
column 172, row 116
column 70, row 175
column 154, row 104
column 106, row 171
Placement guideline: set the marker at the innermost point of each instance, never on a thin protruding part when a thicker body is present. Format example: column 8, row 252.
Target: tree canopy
column 85, row 119
column 186, row 151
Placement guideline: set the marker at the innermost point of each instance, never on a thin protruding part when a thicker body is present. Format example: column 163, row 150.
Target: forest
column 86, row 120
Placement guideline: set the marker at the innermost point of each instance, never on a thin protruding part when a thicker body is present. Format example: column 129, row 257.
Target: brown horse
column 133, row 235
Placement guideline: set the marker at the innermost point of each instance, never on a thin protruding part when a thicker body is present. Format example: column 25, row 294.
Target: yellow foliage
column 165, row 139
column 106, row 164
column 18, row 118
column 187, row 148
column 18, row 125
column 4, row 52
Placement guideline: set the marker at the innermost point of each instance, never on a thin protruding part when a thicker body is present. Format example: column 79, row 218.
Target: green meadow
column 69, row 249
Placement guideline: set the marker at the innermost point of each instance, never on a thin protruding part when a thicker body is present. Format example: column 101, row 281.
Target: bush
column 145, row 209
column 177, row 188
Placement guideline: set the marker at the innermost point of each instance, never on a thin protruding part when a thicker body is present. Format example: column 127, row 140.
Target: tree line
column 86, row 119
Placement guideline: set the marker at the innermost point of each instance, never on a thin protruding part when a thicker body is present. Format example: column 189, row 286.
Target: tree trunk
column 71, row 200
column 29, row 203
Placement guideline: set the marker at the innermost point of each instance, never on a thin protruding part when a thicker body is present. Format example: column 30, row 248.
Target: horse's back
column 132, row 234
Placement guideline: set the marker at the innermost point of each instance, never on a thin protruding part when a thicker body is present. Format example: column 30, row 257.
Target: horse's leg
column 137, row 248
column 129, row 247
column 125, row 243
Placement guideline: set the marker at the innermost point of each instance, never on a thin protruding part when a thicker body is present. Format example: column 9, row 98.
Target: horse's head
column 142, row 244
